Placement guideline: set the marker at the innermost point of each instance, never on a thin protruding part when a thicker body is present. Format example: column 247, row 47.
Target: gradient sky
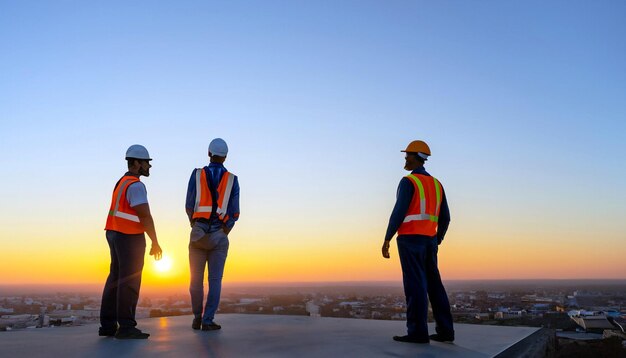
column 522, row 102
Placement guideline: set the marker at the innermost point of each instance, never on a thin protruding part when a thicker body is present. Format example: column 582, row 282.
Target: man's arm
column 233, row 207
column 190, row 201
column 143, row 211
column 403, row 200
column 444, row 218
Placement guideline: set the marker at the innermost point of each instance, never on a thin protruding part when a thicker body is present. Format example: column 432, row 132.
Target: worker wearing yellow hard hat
column 418, row 147
column 421, row 217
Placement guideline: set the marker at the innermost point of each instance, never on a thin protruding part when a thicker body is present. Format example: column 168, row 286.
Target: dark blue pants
column 422, row 282
column 121, row 291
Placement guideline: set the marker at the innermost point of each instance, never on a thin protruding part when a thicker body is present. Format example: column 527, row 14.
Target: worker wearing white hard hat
column 421, row 217
column 137, row 151
column 129, row 217
column 213, row 208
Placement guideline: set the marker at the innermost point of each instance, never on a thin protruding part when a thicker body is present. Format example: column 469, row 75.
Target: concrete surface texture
column 259, row 336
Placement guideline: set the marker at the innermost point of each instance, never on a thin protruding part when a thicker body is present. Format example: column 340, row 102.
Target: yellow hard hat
column 417, row 146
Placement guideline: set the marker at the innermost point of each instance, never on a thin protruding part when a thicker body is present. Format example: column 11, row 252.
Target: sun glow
column 163, row 265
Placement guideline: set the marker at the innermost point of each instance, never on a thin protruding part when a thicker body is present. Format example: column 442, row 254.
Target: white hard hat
column 137, row 151
column 218, row 147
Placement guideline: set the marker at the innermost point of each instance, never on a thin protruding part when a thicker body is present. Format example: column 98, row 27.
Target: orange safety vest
column 423, row 213
column 122, row 217
column 204, row 200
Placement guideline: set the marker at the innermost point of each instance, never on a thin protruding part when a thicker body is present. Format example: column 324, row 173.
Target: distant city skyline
column 522, row 104
column 539, row 303
column 607, row 285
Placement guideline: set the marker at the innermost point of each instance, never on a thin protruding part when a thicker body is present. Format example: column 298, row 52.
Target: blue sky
column 522, row 102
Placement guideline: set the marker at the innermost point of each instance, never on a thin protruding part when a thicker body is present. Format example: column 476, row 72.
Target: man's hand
column 386, row 249
column 226, row 229
column 156, row 251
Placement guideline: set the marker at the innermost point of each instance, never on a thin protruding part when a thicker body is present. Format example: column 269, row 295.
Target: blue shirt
column 214, row 172
column 403, row 200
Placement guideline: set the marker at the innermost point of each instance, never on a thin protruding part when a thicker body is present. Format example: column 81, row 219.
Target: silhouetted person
column 421, row 217
column 129, row 217
column 212, row 207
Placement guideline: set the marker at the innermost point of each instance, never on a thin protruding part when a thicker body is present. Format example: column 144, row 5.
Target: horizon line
column 376, row 282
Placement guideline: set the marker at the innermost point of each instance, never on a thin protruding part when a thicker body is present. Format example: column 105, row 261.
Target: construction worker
column 213, row 208
column 129, row 217
column 421, row 217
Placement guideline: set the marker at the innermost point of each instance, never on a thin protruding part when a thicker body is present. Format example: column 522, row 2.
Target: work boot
column 197, row 323
column 131, row 333
column 106, row 332
column 445, row 338
column 211, row 326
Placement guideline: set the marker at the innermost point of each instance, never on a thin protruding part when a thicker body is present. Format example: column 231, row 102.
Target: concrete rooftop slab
column 244, row 335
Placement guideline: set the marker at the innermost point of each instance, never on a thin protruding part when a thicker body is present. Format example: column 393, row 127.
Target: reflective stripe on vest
column 115, row 211
column 424, row 221
column 203, row 206
column 121, row 216
column 423, row 215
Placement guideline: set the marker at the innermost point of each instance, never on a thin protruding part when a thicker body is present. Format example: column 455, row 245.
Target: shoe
column 211, row 326
column 131, row 333
column 197, row 323
column 410, row 339
column 442, row 338
column 106, row 332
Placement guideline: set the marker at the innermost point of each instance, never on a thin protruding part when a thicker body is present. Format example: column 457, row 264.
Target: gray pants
column 206, row 248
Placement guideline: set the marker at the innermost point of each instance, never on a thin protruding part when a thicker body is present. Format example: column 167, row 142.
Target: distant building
column 593, row 323
column 19, row 321
column 313, row 309
column 509, row 314
column 352, row 304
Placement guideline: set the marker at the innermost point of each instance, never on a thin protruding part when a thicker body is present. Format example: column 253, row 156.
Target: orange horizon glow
column 345, row 262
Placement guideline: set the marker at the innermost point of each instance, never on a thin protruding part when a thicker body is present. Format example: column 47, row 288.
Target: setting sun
column 163, row 265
